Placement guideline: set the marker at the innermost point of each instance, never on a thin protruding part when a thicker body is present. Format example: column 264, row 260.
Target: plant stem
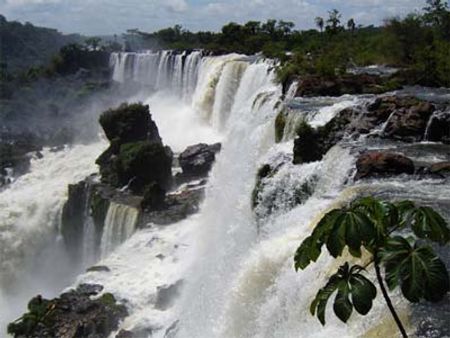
column 388, row 300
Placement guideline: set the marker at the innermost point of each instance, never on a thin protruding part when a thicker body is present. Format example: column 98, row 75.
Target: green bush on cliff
column 307, row 146
column 127, row 123
column 144, row 162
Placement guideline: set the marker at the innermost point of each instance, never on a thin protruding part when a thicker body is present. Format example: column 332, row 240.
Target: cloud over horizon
column 116, row 16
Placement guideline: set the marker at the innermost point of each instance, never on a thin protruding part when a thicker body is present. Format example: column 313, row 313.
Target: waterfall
column 120, row 223
column 159, row 70
column 32, row 259
column 235, row 264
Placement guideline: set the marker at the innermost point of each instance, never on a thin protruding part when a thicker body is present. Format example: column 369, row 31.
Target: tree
column 351, row 25
column 334, row 20
column 93, row 43
column 375, row 225
column 435, row 11
column 319, row 23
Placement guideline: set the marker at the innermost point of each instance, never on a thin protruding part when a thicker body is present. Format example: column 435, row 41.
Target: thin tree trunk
column 388, row 300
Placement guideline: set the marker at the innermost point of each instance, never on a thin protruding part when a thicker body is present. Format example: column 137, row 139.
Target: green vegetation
column 395, row 236
column 418, row 42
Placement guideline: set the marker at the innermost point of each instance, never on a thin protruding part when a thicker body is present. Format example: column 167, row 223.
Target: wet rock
column 73, row 314
column 439, row 128
column 376, row 164
column 98, row 268
column 73, row 217
column 167, row 294
column 280, row 125
column 129, row 123
column 315, row 85
column 441, row 168
column 15, row 154
column 177, row 206
column 154, row 197
column 172, row 330
column 307, row 146
column 409, row 119
column 197, row 160
column 125, row 334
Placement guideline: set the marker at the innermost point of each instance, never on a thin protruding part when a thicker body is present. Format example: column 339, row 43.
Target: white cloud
column 149, row 15
column 177, row 6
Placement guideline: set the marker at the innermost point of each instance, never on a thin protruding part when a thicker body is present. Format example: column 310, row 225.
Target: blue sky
column 116, row 16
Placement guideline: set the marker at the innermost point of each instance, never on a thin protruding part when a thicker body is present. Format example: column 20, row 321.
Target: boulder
column 439, row 128
column 177, row 206
column 197, row 160
column 307, row 146
column 129, row 123
column 73, row 314
column 409, row 119
column 379, row 164
column 441, row 169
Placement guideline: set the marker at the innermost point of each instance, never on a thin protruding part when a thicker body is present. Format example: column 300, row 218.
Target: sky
column 102, row 17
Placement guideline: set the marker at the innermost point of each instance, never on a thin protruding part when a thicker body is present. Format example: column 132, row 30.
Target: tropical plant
column 395, row 236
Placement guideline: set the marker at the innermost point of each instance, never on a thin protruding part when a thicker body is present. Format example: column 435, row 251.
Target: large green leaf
column 311, row 247
column 429, row 224
column 342, row 306
column 419, row 272
column 353, row 229
column 353, row 290
column 363, row 293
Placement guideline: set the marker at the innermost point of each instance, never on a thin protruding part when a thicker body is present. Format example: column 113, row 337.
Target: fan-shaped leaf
column 353, row 290
column 419, row 272
column 363, row 293
column 342, row 306
column 430, row 225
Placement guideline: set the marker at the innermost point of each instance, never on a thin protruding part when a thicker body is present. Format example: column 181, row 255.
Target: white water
column 120, row 223
column 32, row 259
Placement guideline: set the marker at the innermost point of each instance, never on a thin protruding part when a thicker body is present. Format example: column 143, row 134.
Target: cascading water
column 32, row 259
column 237, row 264
column 120, row 223
column 232, row 267
column 158, row 70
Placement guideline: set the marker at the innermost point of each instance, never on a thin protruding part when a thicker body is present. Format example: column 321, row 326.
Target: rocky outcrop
column 73, row 217
column 316, row 85
column 439, row 128
column 196, row 161
column 441, row 168
column 177, row 205
column 15, row 155
column 381, row 164
column 73, row 314
column 136, row 156
column 129, row 123
column 397, row 118
column 408, row 120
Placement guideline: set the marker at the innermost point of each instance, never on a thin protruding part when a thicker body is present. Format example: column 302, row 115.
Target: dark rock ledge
column 81, row 312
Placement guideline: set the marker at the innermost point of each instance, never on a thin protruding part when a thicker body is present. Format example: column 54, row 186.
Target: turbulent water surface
column 230, row 268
